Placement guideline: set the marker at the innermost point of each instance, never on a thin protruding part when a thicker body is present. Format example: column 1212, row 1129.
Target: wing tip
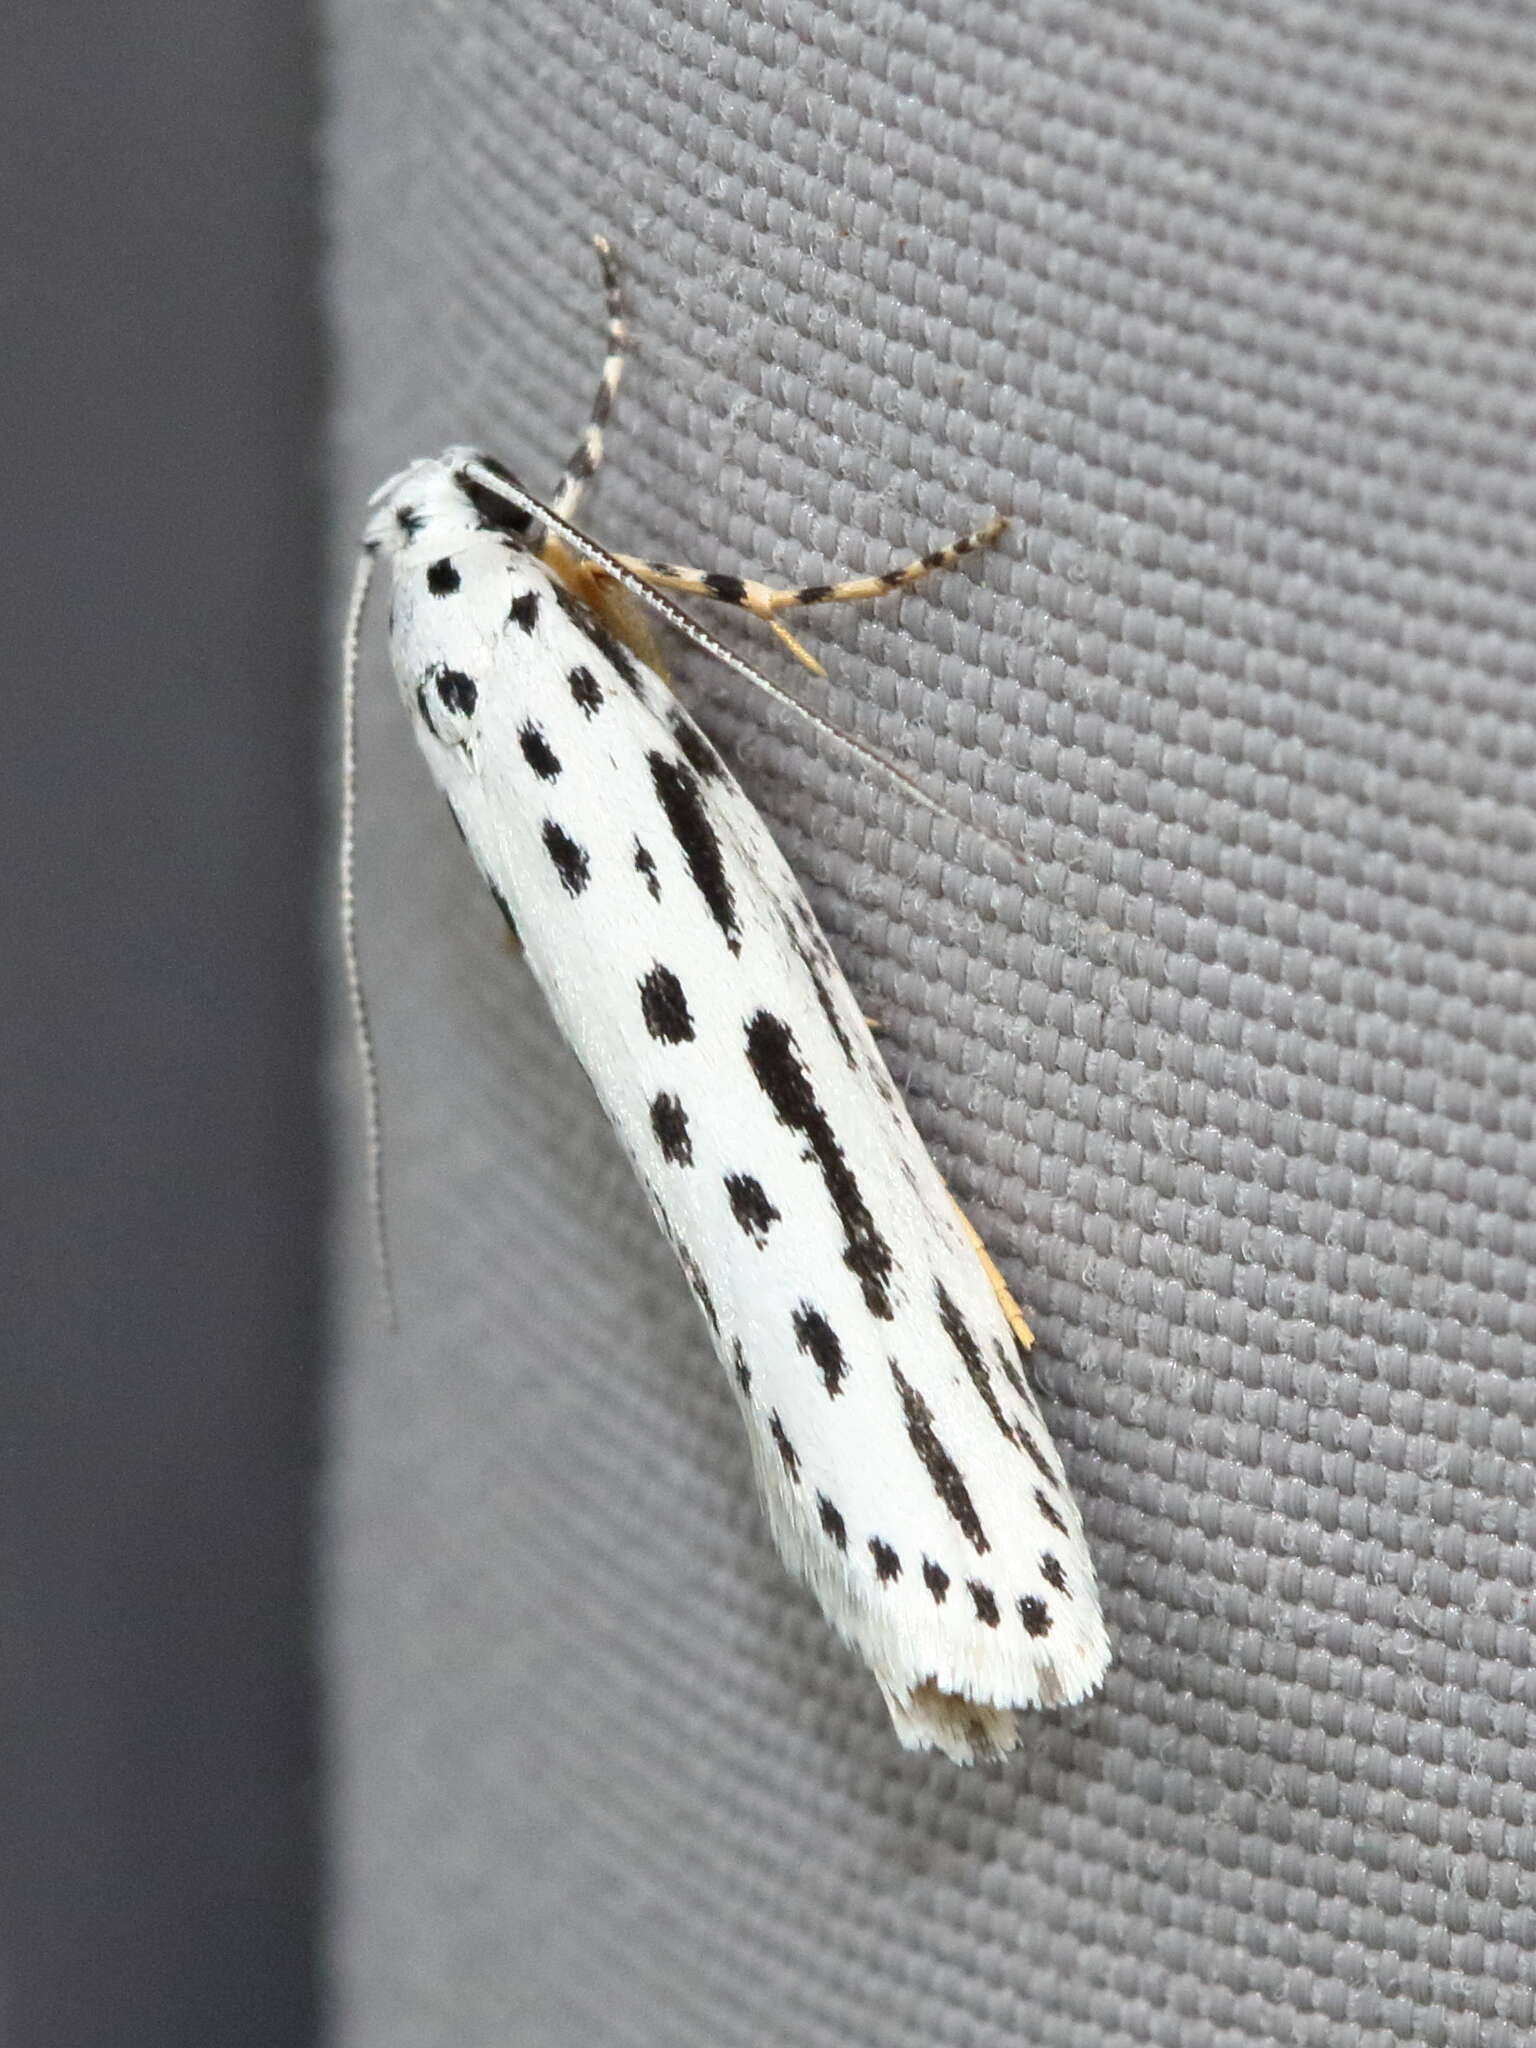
column 969, row 1731
column 949, row 1687
column 966, row 1732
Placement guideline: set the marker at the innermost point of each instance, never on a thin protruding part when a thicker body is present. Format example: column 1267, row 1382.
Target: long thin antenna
column 588, row 455
column 514, row 494
column 346, row 864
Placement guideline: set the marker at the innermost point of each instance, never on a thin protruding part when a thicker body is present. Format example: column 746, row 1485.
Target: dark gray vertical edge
column 159, row 1164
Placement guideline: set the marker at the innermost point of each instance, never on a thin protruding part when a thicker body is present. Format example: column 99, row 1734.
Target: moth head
column 435, row 505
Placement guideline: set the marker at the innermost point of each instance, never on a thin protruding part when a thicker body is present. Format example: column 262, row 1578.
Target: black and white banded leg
column 764, row 600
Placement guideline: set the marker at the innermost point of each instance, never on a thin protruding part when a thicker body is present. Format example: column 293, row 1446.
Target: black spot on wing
column 832, row 1521
column 882, row 1080
column 834, row 1022
column 580, row 615
column 571, row 862
column 459, row 692
column 743, row 1370
column 750, row 1205
column 807, row 936
column 665, row 1007
column 409, row 520
column 1049, row 1513
column 785, row 1448
column 1020, row 1386
column 538, row 753
column 424, row 713
column 586, row 689
column 810, row 958
column 1037, row 1456
column 442, row 577
column 525, row 610
column 887, row 1563
column 646, row 866
column 817, row 1338
column 1010, row 1371
column 627, row 669
column 941, row 1468
column 729, row 589
column 1016, row 1378
column 701, row 1294
column 681, row 797
column 776, row 1065
column 669, row 1122
column 1052, row 1573
column 936, row 1579
column 593, row 630
column 959, row 1333
column 493, row 511
column 984, row 1600
column 1035, row 1615
column 694, row 748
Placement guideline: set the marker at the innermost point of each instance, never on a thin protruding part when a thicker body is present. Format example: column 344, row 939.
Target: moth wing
column 922, row 1500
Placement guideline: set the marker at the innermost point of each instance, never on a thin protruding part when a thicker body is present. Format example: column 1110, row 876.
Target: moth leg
column 588, row 454
column 856, row 587
column 765, row 600
column 1005, row 1300
column 760, row 599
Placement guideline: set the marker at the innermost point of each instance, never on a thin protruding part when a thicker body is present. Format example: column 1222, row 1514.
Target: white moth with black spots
column 879, row 1363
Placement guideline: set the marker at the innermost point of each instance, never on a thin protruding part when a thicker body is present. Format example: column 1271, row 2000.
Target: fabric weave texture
column 1232, row 309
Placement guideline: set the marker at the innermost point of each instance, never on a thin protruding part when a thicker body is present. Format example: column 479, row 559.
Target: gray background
column 160, row 1128
column 1231, row 307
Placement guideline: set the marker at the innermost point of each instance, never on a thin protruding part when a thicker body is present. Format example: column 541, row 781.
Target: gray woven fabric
column 1231, row 307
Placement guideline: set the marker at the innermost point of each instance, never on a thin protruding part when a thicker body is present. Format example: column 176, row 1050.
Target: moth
column 878, row 1360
